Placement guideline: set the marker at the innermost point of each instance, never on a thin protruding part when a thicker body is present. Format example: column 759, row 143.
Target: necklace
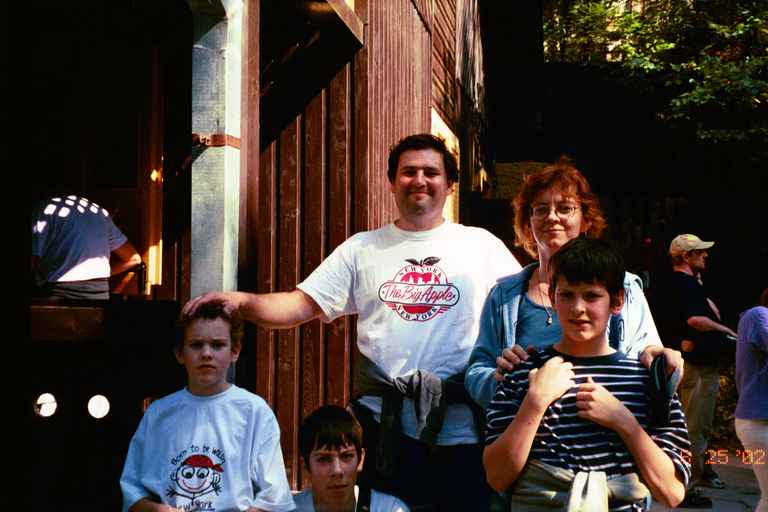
column 541, row 298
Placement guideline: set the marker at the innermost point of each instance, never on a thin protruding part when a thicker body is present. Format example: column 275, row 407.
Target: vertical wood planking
column 392, row 111
column 426, row 74
column 289, row 273
column 379, row 114
column 339, row 219
column 249, row 150
column 443, row 56
column 363, row 112
column 248, row 250
column 372, row 74
column 313, row 224
column 398, row 65
column 266, row 265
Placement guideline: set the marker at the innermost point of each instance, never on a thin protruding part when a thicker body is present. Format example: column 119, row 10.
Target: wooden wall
column 395, row 72
column 305, row 207
column 444, row 61
column 322, row 179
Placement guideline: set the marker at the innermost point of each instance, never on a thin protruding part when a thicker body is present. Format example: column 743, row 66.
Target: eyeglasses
column 564, row 210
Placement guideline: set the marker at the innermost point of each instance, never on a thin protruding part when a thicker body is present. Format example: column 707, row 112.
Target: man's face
column 697, row 260
column 334, row 474
column 207, row 353
column 420, row 185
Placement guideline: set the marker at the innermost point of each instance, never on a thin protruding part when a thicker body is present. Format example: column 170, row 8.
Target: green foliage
column 584, row 35
column 709, row 59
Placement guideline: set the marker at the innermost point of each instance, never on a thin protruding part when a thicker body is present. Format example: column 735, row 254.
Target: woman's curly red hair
column 563, row 177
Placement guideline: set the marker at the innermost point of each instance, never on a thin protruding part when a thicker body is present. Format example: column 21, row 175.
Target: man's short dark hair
column 589, row 260
column 332, row 426
column 423, row 141
column 211, row 311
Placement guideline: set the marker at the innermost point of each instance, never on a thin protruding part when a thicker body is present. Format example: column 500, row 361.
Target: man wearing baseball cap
column 685, row 243
column 701, row 337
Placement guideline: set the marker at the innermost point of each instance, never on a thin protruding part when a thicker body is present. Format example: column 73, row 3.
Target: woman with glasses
column 552, row 207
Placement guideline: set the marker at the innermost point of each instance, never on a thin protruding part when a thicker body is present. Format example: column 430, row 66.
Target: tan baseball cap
column 687, row 242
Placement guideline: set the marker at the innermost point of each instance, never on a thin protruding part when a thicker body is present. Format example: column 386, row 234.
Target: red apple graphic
column 420, row 277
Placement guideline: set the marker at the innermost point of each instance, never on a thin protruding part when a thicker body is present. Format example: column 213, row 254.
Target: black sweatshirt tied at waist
column 431, row 396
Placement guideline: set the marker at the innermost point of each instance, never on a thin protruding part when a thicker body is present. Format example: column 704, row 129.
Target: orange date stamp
column 723, row 456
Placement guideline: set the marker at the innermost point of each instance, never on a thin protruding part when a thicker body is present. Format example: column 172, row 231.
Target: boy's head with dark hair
column 211, row 311
column 330, row 426
column 331, row 444
column 586, row 288
column 418, row 142
column 589, row 261
column 209, row 344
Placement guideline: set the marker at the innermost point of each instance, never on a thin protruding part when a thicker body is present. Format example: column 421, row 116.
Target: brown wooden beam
column 66, row 323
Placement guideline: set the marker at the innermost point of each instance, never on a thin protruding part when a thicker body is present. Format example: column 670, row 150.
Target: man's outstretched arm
column 279, row 310
column 703, row 324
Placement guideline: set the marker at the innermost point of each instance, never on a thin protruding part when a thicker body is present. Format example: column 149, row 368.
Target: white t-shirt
column 380, row 502
column 214, row 453
column 74, row 237
column 418, row 296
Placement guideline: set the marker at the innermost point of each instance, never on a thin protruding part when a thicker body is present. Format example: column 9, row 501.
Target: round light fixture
column 98, row 406
column 45, row 405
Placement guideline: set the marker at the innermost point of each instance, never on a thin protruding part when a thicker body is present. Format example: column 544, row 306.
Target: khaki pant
column 698, row 394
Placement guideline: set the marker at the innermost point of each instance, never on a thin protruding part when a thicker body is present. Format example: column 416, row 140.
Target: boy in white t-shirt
column 331, row 444
column 211, row 446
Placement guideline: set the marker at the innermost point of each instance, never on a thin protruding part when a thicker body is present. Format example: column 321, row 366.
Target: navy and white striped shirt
column 565, row 440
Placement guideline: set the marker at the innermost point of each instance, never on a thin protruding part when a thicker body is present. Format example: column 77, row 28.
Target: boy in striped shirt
column 577, row 413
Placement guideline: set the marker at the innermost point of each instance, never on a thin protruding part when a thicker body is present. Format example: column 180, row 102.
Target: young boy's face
column 334, row 474
column 207, row 353
column 584, row 310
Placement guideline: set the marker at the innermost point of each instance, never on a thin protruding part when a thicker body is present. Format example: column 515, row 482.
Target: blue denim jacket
column 630, row 331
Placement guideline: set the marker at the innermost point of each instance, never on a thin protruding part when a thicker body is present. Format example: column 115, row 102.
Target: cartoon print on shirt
column 419, row 291
column 195, row 477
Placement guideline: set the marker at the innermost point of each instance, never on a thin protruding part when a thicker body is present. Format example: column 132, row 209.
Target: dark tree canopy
column 708, row 59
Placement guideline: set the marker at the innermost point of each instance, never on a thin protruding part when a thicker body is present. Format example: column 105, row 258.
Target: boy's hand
column 548, row 383
column 511, row 357
column 674, row 358
column 597, row 404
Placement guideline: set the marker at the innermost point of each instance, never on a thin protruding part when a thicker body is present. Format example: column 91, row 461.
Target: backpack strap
column 364, row 499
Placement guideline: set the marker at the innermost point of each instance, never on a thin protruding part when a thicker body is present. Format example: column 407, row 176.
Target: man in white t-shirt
column 418, row 286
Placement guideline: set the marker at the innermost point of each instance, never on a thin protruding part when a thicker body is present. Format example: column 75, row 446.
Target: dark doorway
column 105, row 88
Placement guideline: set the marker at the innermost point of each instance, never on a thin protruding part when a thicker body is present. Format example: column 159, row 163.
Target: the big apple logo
column 419, row 291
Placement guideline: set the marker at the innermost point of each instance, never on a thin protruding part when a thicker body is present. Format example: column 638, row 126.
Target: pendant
column 549, row 319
